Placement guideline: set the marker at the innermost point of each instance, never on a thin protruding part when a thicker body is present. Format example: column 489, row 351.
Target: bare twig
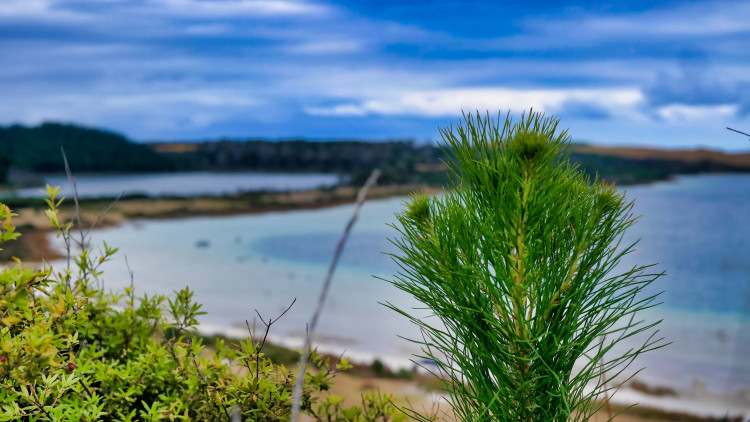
column 130, row 272
column 361, row 196
column 270, row 322
column 735, row 130
column 208, row 385
column 131, row 305
column 74, row 186
column 258, row 349
column 85, row 387
column 104, row 211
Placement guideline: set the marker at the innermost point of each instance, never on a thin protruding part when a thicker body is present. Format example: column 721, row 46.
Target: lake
column 184, row 184
column 697, row 228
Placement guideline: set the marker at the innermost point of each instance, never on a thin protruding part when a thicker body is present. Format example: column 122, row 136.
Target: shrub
column 518, row 263
column 71, row 351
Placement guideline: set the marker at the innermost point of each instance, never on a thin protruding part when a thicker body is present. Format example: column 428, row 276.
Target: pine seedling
column 518, row 264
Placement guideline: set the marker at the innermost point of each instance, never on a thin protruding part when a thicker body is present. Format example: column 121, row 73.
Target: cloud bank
column 672, row 75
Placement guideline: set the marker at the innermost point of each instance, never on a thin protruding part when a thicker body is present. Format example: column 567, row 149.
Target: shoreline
column 33, row 245
column 42, row 237
column 643, row 402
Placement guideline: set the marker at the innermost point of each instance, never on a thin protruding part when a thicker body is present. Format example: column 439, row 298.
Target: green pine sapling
column 518, row 262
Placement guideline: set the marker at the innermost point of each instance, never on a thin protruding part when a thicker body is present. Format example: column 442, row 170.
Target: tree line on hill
column 398, row 160
column 36, row 150
column 628, row 171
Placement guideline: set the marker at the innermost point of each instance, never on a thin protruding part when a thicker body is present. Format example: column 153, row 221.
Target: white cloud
column 209, row 29
column 339, row 110
column 40, row 10
column 202, row 98
column 138, row 65
column 61, row 11
column 684, row 113
column 144, row 112
column 680, row 22
column 233, row 8
column 326, row 47
column 700, row 23
column 23, row 7
column 451, row 102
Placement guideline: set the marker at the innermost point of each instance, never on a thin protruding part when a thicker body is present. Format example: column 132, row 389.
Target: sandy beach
column 421, row 394
column 633, row 402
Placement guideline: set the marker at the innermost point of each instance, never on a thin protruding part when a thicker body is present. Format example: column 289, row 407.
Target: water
column 184, row 184
column 698, row 230
column 251, row 262
column 695, row 227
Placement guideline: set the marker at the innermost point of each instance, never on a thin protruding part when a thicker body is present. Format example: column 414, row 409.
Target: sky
column 665, row 74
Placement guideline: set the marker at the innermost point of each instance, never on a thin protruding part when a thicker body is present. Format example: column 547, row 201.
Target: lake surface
column 184, row 184
column 697, row 228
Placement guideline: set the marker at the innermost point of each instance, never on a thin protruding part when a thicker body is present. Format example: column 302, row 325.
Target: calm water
column 696, row 228
column 184, row 184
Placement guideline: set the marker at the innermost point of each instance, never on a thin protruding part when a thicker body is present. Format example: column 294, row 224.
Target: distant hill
column 399, row 160
column 627, row 165
column 406, row 162
column 37, row 149
column 683, row 155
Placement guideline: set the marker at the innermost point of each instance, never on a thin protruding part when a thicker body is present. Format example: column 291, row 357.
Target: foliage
column 378, row 369
column 627, row 171
column 518, row 262
column 311, row 156
column 37, row 149
column 71, row 351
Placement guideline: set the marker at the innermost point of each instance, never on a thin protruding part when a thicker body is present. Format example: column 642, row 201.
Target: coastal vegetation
column 37, row 150
column 27, row 152
column 69, row 350
column 400, row 162
column 122, row 311
column 517, row 265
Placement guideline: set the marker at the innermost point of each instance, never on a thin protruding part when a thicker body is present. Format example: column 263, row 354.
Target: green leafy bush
column 518, row 264
column 71, row 351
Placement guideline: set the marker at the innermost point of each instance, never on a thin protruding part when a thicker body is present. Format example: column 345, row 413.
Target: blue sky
column 671, row 74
